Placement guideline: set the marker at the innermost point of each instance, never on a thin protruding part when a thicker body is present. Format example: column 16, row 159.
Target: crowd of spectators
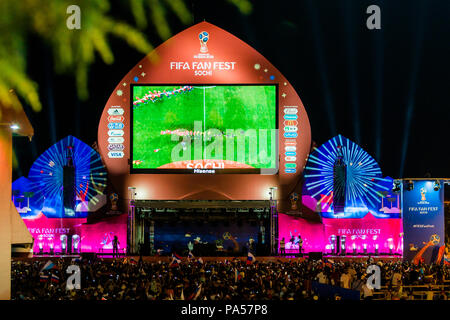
column 127, row 279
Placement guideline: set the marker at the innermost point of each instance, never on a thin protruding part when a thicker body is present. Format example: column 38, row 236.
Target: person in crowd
column 282, row 247
column 124, row 279
column 300, row 245
column 345, row 280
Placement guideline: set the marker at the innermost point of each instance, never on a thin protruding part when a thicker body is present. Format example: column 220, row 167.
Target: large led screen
column 204, row 129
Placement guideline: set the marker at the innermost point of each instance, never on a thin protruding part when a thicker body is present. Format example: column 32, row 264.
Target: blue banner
column 423, row 220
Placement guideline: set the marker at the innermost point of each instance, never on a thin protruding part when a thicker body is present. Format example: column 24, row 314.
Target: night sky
column 387, row 90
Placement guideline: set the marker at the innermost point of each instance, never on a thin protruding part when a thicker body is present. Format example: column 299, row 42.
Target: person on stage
column 116, row 246
column 282, row 247
column 300, row 245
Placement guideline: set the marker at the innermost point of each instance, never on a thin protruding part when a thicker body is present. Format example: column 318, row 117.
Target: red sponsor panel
column 116, row 119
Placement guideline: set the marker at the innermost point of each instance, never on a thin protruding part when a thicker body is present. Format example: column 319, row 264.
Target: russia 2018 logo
column 203, row 37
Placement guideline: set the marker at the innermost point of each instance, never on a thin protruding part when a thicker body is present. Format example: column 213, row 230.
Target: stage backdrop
column 176, row 236
column 423, row 220
column 312, row 233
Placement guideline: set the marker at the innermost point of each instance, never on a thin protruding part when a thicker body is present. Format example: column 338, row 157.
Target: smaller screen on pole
column 187, row 128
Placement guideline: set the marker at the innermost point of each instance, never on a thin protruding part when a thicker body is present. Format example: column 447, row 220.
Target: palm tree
column 28, row 195
column 74, row 51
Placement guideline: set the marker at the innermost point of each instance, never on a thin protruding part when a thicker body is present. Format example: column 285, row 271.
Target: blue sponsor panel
column 290, row 134
column 290, row 154
column 290, row 117
column 115, row 125
column 290, row 170
column 423, row 221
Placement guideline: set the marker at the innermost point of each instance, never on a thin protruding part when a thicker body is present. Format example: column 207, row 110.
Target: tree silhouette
column 28, row 195
column 74, row 51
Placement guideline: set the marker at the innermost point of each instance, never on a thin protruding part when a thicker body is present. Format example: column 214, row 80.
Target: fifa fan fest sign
column 423, row 221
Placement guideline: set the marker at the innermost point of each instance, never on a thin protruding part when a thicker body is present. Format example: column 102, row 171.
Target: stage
column 265, row 259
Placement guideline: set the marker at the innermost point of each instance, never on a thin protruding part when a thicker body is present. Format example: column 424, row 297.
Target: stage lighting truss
column 364, row 180
column 46, row 174
column 397, row 186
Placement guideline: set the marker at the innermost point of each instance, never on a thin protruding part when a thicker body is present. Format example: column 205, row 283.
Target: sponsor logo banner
column 116, row 111
column 290, row 158
column 290, row 129
column 290, row 148
column 290, row 134
column 115, row 125
column 290, row 111
column 290, row 117
column 290, row 170
column 116, row 147
column 290, row 165
column 290, row 142
column 116, row 140
column 116, row 118
column 115, row 154
column 115, row 133
column 291, row 123
column 291, row 154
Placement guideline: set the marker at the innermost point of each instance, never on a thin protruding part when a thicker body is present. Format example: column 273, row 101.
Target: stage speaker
column 69, row 194
column 315, row 255
column 88, row 255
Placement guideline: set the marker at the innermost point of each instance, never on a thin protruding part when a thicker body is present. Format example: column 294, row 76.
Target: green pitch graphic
column 158, row 111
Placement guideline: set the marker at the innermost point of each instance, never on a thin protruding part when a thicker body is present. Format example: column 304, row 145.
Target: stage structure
column 14, row 236
column 203, row 117
column 65, row 184
column 358, row 213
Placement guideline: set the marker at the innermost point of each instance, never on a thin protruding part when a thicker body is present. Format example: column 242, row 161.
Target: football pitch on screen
column 238, row 108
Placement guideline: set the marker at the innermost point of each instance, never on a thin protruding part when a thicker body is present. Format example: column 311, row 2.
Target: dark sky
column 373, row 87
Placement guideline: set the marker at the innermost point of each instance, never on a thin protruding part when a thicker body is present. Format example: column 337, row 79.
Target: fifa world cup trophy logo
column 294, row 198
column 423, row 192
column 114, row 198
column 203, row 37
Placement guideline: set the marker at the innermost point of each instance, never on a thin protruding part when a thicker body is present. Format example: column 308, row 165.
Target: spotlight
column 365, row 248
column 397, row 186
column 410, row 185
column 391, row 247
column 354, row 248
column 14, row 126
column 376, row 248
column 437, row 185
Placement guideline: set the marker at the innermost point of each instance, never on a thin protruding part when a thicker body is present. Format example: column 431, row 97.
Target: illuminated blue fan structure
column 364, row 185
column 47, row 174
